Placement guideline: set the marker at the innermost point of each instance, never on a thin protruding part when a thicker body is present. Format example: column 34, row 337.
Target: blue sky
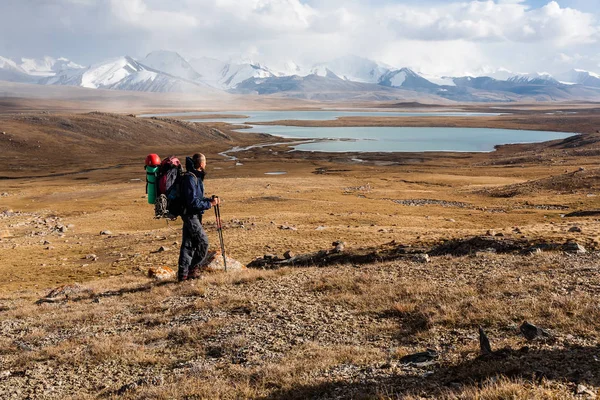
column 436, row 37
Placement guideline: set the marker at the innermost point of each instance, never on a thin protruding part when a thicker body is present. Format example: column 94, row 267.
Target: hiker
column 194, row 243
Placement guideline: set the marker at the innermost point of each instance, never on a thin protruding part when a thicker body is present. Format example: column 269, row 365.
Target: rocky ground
column 434, row 248
column 336, row 332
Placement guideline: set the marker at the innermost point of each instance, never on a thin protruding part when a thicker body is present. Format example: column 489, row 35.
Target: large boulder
column 161, row 273
column 214, row 262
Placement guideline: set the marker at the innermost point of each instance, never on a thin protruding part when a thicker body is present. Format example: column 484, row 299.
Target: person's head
column 199, row 161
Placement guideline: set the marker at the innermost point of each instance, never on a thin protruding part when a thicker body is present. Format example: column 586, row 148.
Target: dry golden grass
column 300, row 333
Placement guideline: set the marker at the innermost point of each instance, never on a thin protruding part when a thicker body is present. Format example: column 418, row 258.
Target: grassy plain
column 332, row 332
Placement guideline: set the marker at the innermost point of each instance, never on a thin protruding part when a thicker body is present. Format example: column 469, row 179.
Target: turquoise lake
column 381, row 139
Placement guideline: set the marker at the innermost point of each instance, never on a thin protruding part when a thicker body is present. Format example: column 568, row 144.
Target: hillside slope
column 61, row 143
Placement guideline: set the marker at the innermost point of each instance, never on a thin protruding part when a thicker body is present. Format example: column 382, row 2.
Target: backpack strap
column 194, row 176
column 196, row 181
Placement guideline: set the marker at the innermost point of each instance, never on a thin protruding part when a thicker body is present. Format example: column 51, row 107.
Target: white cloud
column 511, row 21
column 448, row 37
column 136, row 13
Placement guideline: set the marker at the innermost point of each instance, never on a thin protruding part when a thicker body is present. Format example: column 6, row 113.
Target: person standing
column 194, row 242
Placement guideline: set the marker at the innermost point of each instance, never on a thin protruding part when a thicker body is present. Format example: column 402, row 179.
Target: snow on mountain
column 580, row 77
column 124, row 73
column 290, row 68
column 407, row 79
column 210, row 69
column 10, row 71
column 234, row 74
column 501, row 74
column 344, row 77
column 353, row 68
column 227, row 76
column 112, row 72
column 47, row 66
column 439, row 80
column 538, row 78
column 171, row 63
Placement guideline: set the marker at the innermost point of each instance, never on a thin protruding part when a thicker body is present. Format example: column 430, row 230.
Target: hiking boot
column 195, row 273
column 182, row 278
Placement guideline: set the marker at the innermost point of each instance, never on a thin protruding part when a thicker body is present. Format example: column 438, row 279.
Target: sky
column 455, row 38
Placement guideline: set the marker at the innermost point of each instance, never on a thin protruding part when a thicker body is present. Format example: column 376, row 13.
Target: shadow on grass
column 86, row 294
column 575, row 365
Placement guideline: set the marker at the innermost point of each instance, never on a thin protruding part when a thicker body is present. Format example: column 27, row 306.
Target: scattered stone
column 288, row 228
column 288, row 255
column 422, row 358
column 22, row 345
column 162, row 249
column 105, row 233
column 532, row 332
column 320, row 228
column 450, row 220
column 91, row 257
column 338, row 246
column 269, row 257
column 214, row 263
column 499, row 234
column 490, row 233
column 574, row 247
column 575, row 229
column 517, row 230
column 161, row 273
column 62, row 293
column 581, row 169
column 485, row 348
column 421, row 258
column 582, row 389
column 46, row 243
column 430, row 202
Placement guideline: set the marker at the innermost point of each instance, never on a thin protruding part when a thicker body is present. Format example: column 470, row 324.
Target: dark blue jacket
column 193, row 190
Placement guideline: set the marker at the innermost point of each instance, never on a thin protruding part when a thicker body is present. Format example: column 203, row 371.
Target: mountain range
column 345, row 78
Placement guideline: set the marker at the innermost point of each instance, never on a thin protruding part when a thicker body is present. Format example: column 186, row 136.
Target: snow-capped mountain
column 405, row 78
column 353, row 68
column 123, row 73
column 10, row 71
column 346, row 77
column 234, row 74
column 47, row 66
column 538, row 78
column 580, row 77
column 171, row 63
column 210, row 69
column 290, row 68
column 227, row 76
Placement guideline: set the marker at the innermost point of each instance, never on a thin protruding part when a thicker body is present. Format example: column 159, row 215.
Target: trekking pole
column 220, row 231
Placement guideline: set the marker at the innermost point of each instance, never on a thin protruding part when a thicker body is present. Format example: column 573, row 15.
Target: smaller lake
column 394, row 139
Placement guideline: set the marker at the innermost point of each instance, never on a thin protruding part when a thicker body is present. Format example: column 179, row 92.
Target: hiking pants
column 194, row 245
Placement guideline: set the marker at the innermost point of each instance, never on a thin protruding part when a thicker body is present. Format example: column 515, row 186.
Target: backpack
column 172, row 204
column 169, row 170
